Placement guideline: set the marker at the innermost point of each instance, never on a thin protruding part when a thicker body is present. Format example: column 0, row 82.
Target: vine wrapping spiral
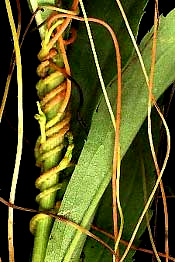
column 53, row 150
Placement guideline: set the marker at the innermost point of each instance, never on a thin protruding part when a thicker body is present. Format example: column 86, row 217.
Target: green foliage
column 93, row 171
column 89, row 190
column 132, row 196
column 80, row 56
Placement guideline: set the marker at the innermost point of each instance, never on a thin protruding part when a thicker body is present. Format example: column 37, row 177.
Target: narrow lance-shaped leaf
column 93, row 172
column 41, row 17
column 131, row 196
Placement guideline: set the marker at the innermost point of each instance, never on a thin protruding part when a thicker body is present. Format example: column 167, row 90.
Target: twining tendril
column 53, row 114
column 53, row 150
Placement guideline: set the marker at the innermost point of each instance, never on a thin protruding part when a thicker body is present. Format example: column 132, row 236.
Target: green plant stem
column 48, row 152
column 41, row 239
column 42, row 232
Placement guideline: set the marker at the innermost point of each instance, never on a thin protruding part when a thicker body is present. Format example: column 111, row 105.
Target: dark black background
column 26, row 191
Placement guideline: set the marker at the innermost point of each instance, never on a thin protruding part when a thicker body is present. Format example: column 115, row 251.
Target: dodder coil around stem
column 53, row 150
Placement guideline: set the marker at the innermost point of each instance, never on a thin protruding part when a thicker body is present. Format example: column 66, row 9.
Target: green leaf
column 93, row 171
column 131, row 196
column 80, row 55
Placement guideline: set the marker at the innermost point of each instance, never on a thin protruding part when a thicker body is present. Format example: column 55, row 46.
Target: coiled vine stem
column 53, row 150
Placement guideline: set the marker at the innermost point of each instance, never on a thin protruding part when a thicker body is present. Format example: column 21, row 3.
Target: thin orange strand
column 116, row 145
column 75, row 5
column 12, row 64
column 125, row 243
column 67, row 67
column 58, row 37
column 61, row 219
column 63, row 26
column 72, row 38
column 116, row 154
column 152, row 147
